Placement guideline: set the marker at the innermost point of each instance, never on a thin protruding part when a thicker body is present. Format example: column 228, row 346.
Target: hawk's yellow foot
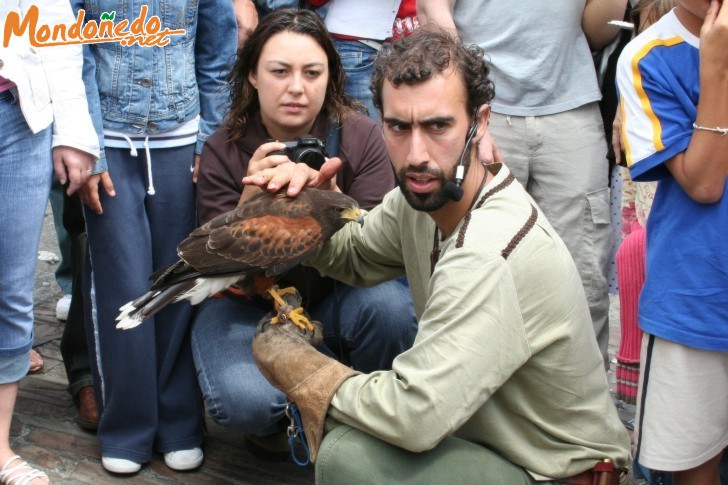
column 287, row 302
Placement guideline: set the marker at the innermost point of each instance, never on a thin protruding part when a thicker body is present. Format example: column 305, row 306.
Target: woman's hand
column 72, row 166
column 262, row 161
column 296, row 176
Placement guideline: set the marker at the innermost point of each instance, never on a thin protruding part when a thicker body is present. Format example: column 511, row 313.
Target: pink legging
column 630, row 276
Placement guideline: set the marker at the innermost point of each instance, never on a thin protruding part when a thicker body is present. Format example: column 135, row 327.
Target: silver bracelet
column 717, row 129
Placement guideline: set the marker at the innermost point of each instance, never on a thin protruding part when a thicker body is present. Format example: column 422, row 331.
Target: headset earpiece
column 452, row 190
column 460, row 170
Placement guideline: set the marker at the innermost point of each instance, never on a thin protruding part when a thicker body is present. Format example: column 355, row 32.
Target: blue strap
column 333, row 139
column 295, row 431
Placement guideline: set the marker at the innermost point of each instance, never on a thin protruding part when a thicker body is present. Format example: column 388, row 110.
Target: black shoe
column 273, row 447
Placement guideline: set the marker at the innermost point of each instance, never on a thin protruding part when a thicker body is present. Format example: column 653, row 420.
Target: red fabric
column 404, row 24
column 631, row 277
column 5, row 84
column 408, row 8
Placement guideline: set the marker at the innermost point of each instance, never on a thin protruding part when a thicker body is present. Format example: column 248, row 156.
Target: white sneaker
column 120, row 465
column 62, row 307
column 184, row 459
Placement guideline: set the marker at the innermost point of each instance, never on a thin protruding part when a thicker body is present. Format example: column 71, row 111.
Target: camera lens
column 311, row 157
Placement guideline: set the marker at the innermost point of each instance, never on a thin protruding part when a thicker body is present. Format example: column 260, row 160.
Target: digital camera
column 307, row 149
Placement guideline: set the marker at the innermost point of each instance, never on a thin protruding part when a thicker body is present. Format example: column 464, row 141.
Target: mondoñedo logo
column 141, row 31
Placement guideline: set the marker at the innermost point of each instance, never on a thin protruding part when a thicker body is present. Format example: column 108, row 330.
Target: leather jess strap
column 603, row 473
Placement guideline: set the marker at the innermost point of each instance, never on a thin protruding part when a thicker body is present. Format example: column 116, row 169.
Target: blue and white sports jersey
column 658, row 80
column 685, row 297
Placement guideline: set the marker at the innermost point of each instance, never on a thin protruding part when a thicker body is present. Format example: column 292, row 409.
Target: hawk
column 247, row 247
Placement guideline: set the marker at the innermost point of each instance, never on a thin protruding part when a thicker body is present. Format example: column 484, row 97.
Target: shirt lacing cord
column 134, row 153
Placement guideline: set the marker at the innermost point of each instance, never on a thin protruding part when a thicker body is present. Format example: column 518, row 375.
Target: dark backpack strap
column 333, row 139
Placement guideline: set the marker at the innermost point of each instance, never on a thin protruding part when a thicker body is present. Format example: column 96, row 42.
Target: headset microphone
column 453, row 190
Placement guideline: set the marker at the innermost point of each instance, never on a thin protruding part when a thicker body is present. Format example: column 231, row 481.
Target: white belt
column 371, row 43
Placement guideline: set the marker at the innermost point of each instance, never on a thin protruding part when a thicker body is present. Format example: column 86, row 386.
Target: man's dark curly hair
column 427, row 52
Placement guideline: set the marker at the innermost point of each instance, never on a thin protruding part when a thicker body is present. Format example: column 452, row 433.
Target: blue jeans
column 26, row 169
column 365, row 328
column 145, row 377
column 357, row 59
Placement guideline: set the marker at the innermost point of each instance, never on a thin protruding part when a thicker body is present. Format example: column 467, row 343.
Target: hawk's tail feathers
column 195, row 290
column 135, row 312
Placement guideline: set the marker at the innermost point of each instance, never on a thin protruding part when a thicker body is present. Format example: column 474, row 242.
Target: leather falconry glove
column 286, row 357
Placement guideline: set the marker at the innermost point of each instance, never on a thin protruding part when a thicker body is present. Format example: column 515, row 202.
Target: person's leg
column 516, row 142
column 348, row 455
column 237, row 395
column 366, row 328
column 120, row 252
column 569, row 180
column 631, row 274
column 723, row 468
column 705, row 474
column 8, row 395
column 12, row 468
column 25, row 178
column 573, row 184
column 357, row 59
column 74, row 345
column 64, row 271
column 172, row 217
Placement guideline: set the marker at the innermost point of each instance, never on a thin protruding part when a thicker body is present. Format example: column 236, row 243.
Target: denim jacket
column 139, row 90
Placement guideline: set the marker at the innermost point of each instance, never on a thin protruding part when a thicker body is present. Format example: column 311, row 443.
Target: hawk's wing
column 267, row 233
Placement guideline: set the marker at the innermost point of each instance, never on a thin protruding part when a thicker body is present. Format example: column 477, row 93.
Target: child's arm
column 701, row 170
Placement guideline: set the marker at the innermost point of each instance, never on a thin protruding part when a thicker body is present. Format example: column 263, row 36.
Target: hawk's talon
column 285, row 311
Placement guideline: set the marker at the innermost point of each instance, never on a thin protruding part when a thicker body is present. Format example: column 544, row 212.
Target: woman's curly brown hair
column 243, row 96
column 428, row 51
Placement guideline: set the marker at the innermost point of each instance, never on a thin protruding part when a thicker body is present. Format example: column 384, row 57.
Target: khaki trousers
column 561, row 160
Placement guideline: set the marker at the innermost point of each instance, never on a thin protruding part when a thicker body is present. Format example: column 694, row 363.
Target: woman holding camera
column 288, row 83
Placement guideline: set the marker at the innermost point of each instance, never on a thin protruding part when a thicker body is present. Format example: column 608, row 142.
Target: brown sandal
column 36, row 362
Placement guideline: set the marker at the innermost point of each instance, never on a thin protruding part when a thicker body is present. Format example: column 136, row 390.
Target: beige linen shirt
column 505, row 355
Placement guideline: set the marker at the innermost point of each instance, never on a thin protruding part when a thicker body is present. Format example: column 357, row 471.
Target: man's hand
column 488, row 151
column 89, row 193
column 286, row 357
column 73, row 166
column 195, row 168
column 617, row 138
column 247, row 18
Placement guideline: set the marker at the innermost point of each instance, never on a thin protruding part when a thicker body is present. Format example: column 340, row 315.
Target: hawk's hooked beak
column 354, row 214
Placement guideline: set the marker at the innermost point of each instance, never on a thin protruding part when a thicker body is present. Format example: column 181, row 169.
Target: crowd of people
column 465, row 323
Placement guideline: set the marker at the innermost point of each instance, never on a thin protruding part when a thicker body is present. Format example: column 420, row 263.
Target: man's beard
column 425, row 202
